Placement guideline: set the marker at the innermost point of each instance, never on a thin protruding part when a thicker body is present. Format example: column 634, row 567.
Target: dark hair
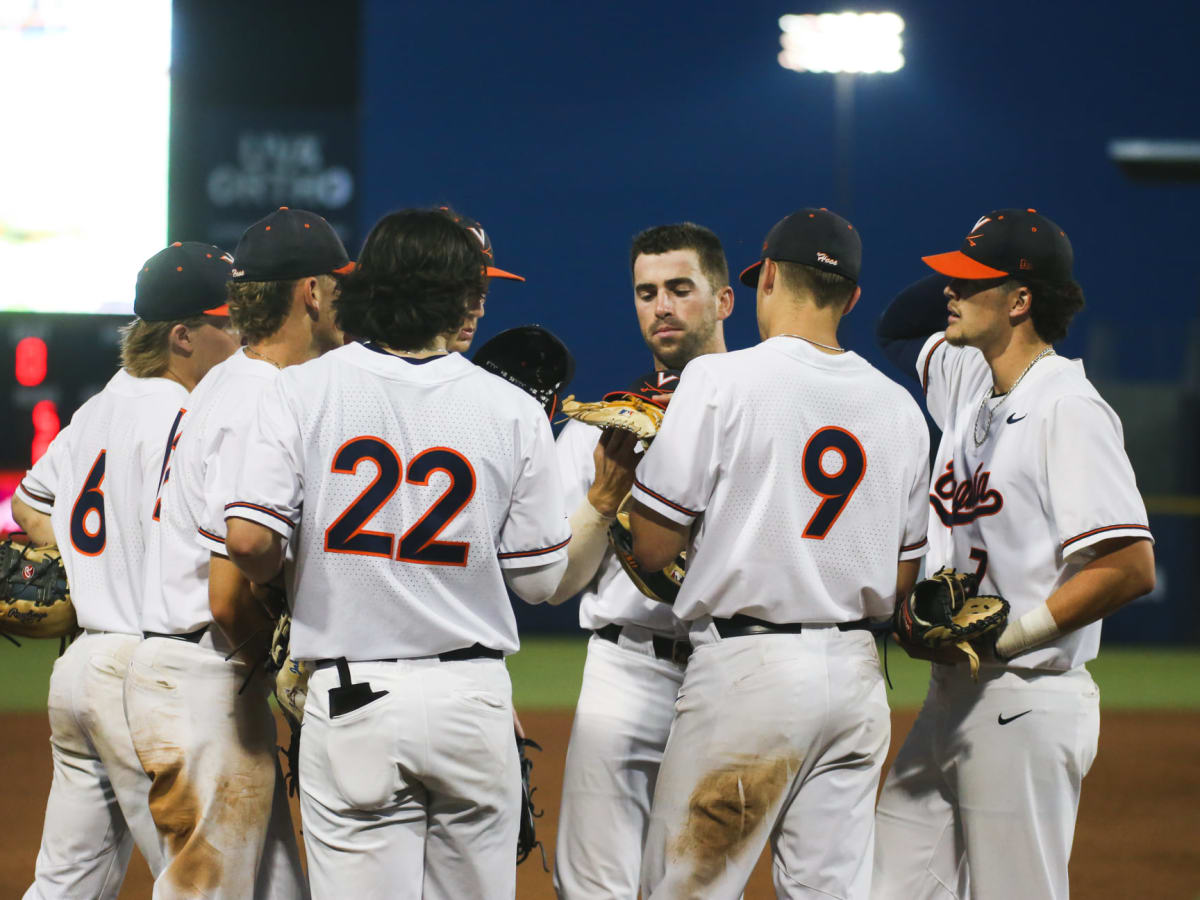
column 416, row 275
column 826, row 288
column 685, row 236
column 1053, row 307
column 258, row 309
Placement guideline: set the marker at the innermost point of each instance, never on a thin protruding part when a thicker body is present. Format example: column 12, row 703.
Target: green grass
column 547, row 672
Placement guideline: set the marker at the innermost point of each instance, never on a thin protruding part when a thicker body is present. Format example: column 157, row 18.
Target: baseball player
column 1033, row 492
column 794, row 472
column 414, row 486
column 199, row 716
column 638, row 648
column 92, row 493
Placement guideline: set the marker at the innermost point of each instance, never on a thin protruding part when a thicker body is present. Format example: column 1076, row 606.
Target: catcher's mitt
column 35, row 599
column 944, row 610
column 662, row 585
column 533, row 359
column 633, row 414
column 291, row 692
column 527, row 835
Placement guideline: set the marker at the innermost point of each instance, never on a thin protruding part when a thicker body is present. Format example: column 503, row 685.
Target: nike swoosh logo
column 1003, row 721
column 1013, row 420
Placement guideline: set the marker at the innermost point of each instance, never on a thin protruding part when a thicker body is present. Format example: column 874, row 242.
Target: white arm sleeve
column 536, row 584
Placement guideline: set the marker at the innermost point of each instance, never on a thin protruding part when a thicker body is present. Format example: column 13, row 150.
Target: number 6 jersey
column 404, row 487
column 807, row 473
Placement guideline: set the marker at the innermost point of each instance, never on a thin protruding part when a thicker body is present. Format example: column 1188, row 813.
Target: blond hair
column 146, row 346
column 258, row 308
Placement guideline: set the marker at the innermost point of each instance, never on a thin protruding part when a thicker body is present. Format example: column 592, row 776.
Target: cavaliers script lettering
column 961, row 502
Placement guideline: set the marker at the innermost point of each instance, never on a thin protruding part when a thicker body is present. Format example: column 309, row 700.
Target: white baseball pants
column 777, row 737
column 622, row 720
column 98, row 802
column 217, row 797
column 981, row 799
column 417, row 793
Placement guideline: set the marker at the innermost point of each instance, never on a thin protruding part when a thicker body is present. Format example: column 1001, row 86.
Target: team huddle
column 295, row 434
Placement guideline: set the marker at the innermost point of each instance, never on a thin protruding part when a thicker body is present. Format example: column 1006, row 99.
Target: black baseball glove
column 944, row 610
column 527, row 835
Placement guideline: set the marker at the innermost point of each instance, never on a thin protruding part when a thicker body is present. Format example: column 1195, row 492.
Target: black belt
column 475, row 651
column 664, row 648
column 741, row 626
column 192, row 637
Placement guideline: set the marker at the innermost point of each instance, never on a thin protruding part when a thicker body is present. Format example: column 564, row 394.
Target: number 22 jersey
column 404, row 487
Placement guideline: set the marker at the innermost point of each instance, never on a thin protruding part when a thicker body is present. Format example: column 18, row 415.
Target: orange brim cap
column 493, row 272
column 222, row 310
column 957, row 264
column 346, row 269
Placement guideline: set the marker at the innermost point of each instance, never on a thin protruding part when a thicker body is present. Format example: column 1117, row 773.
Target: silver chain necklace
column 814, row 343
column 991, row 393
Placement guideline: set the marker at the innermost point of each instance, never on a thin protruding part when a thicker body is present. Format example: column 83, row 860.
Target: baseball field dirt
column 1138, row 833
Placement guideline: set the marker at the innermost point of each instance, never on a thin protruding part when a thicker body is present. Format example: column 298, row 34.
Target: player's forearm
column 1114, row 578
column 34, row 523
column 656, row 539
column 589, row 540
column 236, row 611
column 255, row 549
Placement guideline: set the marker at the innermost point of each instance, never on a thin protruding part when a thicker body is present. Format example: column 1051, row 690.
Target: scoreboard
column 51, row 364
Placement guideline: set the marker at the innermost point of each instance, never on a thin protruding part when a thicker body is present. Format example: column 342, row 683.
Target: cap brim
column 957, row 264
column 493, row 272
column 749, row 276
column 222, row 310
column 346, row 269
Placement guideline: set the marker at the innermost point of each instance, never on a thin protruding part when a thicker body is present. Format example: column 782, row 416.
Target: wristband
column 1035, row 627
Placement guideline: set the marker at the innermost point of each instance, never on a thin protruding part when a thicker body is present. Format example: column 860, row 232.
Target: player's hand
column 948, row 655
column 517, row 726
column 615, row 460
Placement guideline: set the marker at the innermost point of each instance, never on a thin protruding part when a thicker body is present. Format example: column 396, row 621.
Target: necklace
column 991, row 393
column 814, row 343
column 262, row 356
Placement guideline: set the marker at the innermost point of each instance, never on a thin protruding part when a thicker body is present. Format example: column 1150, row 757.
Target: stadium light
column 842, row 42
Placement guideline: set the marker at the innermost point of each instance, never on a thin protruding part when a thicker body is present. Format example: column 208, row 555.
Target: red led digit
column 30, row 361
column 46, row 425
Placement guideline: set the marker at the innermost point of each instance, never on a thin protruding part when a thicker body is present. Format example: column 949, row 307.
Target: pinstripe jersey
column 97, row 483
column 1026, row 505
column 807, row 475
column 404, row 488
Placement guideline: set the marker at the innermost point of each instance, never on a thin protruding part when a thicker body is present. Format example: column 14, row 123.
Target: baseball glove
column 663, row 585
column 944, row 610
column 35, row 599
column 291, row 692
column 533, row 359
column 633, row 414
column 527, row 835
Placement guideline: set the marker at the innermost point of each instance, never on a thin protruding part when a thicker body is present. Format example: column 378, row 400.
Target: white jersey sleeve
column 530, row 537
column 1093, row 492
column 677, row 475
column 916, row 524
column 38, row 487
column 945, row 373
column 266, row 467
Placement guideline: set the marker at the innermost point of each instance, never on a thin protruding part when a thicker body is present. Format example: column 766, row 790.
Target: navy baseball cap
column 288, row 244
column 1012, row 242
column 482, row 236
column 813, row 237
column 184, row 280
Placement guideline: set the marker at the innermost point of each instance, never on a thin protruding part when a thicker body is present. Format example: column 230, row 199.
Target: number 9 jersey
column 808, row 475
column 404, row 487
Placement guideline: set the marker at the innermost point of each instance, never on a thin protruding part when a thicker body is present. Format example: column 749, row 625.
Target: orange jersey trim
column 35, row 496
column 262, row 509
column 1080, row 537
column 921, row 543
column 518, row 554
column 928, row 360
column 661, row 499
column 210, row 536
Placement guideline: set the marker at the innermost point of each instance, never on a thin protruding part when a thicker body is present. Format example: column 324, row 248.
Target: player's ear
column 1020, row 301
column 179, row 339
column 308, row 295
column 766, row 275
column 724, row 302
column 850, row 304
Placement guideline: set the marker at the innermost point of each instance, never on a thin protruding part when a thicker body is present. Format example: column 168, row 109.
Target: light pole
column 844, row 44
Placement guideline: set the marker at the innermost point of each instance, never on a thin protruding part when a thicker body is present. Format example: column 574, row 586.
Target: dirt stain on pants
column 727, row 808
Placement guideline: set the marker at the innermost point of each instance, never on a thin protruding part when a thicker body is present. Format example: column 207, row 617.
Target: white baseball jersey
column 405, row 486
column 199, row 482
column 807, row 472
column 1050, row 480
column 610, row 597
column 97, row 482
